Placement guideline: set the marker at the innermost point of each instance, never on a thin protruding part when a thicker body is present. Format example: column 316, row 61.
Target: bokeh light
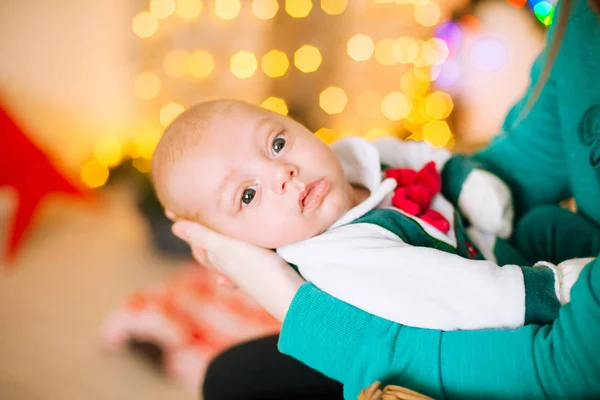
column 439, row 105
column 437, row 133
column 544, row 11
column 265, row 9
column 334, row 7
column 361, row 47
column 368, row 104
column 384, row 53
column 488, row 54
column 275, row 63
column 405, row 50
column 450, row 33
column 376, row 133
column 147, row 85
column 227, row 9
column 169, row 112
column 108, row 151
column 141, row 164
column 412, row 85
column 189, row 9
column 275, row 104
column 395, row 106
column 435, row 51
column 307, row 58
column 449, row 74
column 162, row 8
column 175, row 63
column 243, row 64
column 144, row 24
column 298, row 8
column 428, row 14
column 333, row 100
column 200, row 64
column 94, row 174
column 328, row 135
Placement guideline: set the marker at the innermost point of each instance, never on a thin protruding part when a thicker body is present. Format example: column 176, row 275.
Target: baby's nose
column 286, row 177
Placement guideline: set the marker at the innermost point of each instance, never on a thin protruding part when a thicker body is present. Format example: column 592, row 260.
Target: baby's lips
column 430, row 178
column 436, row 220
column 403, row 176
column 420, row 195
column 408, row 206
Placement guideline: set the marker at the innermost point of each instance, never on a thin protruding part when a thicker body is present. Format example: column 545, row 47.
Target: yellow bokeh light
column 361, row 47
column 275, row 63
column 428, row 14
column 334, row 7
column 144, row 24
column 405, row 50
column 427, row 73
column 384, row 53
column 437, row 133
column 307, row 58
column 142, row 165
column 333, row 100
column 227, row 9
column 329, row 136
column 376, row 133
column 94, row 174
column 243, row 64
column 162, row 8
column 145, row 141
column 147, row 85
column 275, row 104
column 415, row 118
column 189, row 9
column 200, row 64
column 412, row 85
column 395, row 106
column 265, row 9
column 108, row 151
column 420, row 2
column 435, row 51
column 298, row 8
column 175, row 63
column 368, row 104
column 169, row 112
column 439, row 105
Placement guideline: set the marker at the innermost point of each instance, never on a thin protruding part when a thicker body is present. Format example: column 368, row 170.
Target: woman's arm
column 356, row 348
column 529, row 155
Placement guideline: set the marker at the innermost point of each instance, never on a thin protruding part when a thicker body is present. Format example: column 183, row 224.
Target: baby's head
column 250, row 174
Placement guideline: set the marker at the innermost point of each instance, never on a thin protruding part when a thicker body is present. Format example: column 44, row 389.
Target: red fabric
column 27, row 169
column 416, row 190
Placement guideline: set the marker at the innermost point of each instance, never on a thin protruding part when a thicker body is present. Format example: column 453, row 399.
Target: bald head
column 183, row 134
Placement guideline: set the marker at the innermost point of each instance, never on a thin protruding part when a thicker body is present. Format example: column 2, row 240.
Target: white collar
column 362, row 166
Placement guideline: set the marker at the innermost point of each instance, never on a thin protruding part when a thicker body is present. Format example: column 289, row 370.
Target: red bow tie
column 416, row 190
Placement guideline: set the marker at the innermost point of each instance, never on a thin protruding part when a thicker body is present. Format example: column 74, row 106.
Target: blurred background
column 97, row 299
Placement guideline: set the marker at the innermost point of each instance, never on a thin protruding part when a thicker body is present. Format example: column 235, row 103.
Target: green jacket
column 554, row 153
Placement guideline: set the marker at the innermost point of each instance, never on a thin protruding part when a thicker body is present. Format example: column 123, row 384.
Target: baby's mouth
column 313, row 194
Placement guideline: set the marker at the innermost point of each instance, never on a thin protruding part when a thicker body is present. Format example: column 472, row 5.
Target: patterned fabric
column 190, row 318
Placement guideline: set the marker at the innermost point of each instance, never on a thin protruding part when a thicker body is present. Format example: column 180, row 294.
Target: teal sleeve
column 356, row 348
column 561, row 360
column 529, row 154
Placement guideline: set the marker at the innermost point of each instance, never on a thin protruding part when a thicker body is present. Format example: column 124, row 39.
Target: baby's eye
column 278, row 144
column 248, row 195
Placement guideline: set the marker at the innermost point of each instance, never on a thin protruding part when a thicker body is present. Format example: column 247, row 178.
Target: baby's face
column 262, row 178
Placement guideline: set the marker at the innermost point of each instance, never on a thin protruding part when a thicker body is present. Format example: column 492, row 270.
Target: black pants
column 256, row 370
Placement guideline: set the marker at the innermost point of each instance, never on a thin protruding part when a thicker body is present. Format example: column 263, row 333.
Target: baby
column 353, row 229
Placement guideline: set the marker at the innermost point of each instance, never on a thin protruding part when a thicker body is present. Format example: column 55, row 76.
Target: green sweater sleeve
column 356, row 348
column 529, row 155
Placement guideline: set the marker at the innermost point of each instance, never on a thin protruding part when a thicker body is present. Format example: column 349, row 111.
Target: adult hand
column 259, row 272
